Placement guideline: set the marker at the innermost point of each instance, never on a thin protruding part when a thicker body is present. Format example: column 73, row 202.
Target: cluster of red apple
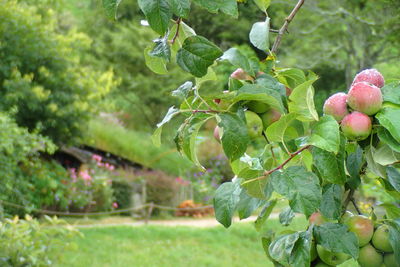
column 375, row 248
column 364, row 99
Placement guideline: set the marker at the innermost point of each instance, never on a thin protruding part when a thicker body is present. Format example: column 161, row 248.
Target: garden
column 200, row 133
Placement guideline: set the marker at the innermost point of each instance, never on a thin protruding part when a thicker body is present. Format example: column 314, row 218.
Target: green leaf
column 394, row 237
column 260, row 94
column 227, row 6
column 210, row 76
column 337, row 238
column 391, row 92
column 187, row 136
column 392, row 211
column 259, row 35
column 293, row 77
column 331, row 205
column 387, row 138
column 286, row 216
column 270, row 82
column 235, row 137
column 155, row 64
column 282, row 247
column 325, row 134
column 181, row 8
column 111, row 6
column 197, row 54
column 183, row 90
column 389, row 118
column 161, row 49
column 300, row 255
column 384, row 155
column 300, row 187
column 354, row 164
column 156, row 137
column 158, row 13
column 172, row 112
column 394, row 177
column 302, row 102
column 276, row 131
column 265, row 212
column 373, row 166
column 226, row 200
column 329, row 166
column 247, row 205
column 263, row 4
column 236, row 58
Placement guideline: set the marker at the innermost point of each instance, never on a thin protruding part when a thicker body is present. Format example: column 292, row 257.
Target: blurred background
column 78, row 107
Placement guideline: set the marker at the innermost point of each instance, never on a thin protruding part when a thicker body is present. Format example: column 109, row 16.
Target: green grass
column 162, row 246
column 136, row 146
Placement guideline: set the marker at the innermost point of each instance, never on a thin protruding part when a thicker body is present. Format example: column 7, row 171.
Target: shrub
column 29, row 243
column 41, row 74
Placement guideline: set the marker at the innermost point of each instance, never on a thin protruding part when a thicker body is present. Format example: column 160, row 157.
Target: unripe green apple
column 322, row 264
column 369, row 257
column 336, row 106
column 370, row 76
column 356, row 126
column 331, row 258
column 257, row 107
column 380, row 239
column 389, row 260
column 317, row 218
column 346, row 216
column 270, row 117
column 365, row 97
column 313, row 251
column 254, row 124
column 362, row 227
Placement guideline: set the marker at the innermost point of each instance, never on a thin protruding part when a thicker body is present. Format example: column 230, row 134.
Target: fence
column 149, row 206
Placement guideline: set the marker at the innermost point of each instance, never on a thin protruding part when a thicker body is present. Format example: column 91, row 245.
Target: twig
column 267, row 173
column 285, row 26
column 271, row 148
column 178, row 22
column 275, row 31
column 347, row 200
column 355, row 205
column 204, row 111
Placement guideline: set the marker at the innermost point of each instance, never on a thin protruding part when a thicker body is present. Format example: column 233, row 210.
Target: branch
column 177, row 30
column 285, row 26
column 347, row 201
column 355, row 205
column 267, row 173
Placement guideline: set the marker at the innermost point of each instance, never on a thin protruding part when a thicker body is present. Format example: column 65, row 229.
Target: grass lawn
column 162, row 246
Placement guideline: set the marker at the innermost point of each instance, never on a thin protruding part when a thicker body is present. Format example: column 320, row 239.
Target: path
column 204, row 222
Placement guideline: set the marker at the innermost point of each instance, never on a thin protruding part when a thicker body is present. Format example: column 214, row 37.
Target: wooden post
column 150, row 211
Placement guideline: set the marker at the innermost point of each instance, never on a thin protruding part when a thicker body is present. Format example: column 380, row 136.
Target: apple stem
column 355, row 205
column 178, row 22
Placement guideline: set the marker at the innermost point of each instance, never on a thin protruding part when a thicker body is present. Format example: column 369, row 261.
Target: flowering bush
column 89, row 188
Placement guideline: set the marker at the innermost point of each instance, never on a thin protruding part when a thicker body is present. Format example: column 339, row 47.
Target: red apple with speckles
column 370, row 76
column 216, row 134
column 362, row 227
column 356, row 126
column 317, row 218
column 365, row 97
column 336, row 105
column 240, row 74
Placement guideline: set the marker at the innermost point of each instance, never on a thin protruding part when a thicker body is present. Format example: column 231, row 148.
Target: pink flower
column 111, row 168
column 115, row 205
column 97, row 158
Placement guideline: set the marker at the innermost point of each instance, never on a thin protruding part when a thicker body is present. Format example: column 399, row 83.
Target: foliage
column 41, row 74
column 29, row 243
column 307, row 158
column 161, row 188
column 17, row 148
